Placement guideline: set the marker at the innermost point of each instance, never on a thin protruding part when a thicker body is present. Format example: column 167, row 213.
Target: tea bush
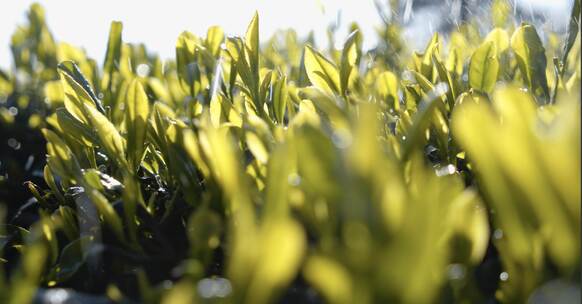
column 259, row 172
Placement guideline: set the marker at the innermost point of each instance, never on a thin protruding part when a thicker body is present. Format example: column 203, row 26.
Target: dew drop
column 13, row 111
column 143, row 70
column 14, row 144
column 446, row 170
column 214, row 288
column 498, row 234
column 456, row 272
column 341, row 140
column 293, row 179
column 57, row 296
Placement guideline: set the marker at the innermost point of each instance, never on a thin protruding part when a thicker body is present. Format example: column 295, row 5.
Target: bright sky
column 158, row 23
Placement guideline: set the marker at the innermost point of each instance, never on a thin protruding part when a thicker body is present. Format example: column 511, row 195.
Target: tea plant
column 249, row 172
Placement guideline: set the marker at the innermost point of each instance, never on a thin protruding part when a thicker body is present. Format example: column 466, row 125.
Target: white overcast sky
column 158, row 23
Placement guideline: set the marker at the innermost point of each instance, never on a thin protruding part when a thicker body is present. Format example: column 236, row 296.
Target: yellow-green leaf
column 113, row 53
column 500, row 37
column 77, row 88
column 109, row 137
column 531, row 59
column 348, row 60
column 321, row 72
column 214, row 38
column 484, row 67
column 387, row 87
column 283, row 246
column 252, row 41
column 136, row 115
column 330, row 278
column 79, row 131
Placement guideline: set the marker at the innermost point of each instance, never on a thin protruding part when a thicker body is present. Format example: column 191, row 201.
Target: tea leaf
column 77, row 88
column 70, row 125
column 484, row 67
column 252, row 41
column 330, row 278
column 285, row 242
column 500, row 38
column 113, row 54
column 348, row 60
column 531, row 58
column 573, row 30
column 109, row 137
column 387, row 87
column 279, row 99
column 321, row 72
column 136, row 116
column 214, row 38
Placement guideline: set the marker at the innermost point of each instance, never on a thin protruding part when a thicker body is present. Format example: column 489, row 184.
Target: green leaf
column 500, row 38
column 257, row 147
column 507, row 152
column 282, row 249
column 317, row 167
column 426, row 64
column 50, row 180
column 68, row 218
column 214, row 38
column 471, row 97
column 80, row 132
column 321, row 72
column 265, row 87
column 531, row 59
column 427, row 110
column 204, row 232
column 348, row 60
column 136, row 116
column 113, row 54
column 33, row 189
column 188, row 69
column 279, row 99
column 573, row 29
column 252, row 41
column 446, row 77
column 328, row 104
column 71, row 259
column 60, row 157
column 219, row 110
column 132, row 197
column 484, row 67
column 196, row 153
column 470, row 228
column 387, row 87
column 423, row 82
column 109, row 137
column 279, row 169
column 49, row 234
column 105, row 209
column 77, row 88
column 330, row 278
column 247, row 66
column 454, row 62
column 28, row 276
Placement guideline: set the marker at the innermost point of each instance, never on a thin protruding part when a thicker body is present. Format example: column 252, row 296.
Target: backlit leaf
column 484, row 67
column 321, row 72
column 136, row 115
